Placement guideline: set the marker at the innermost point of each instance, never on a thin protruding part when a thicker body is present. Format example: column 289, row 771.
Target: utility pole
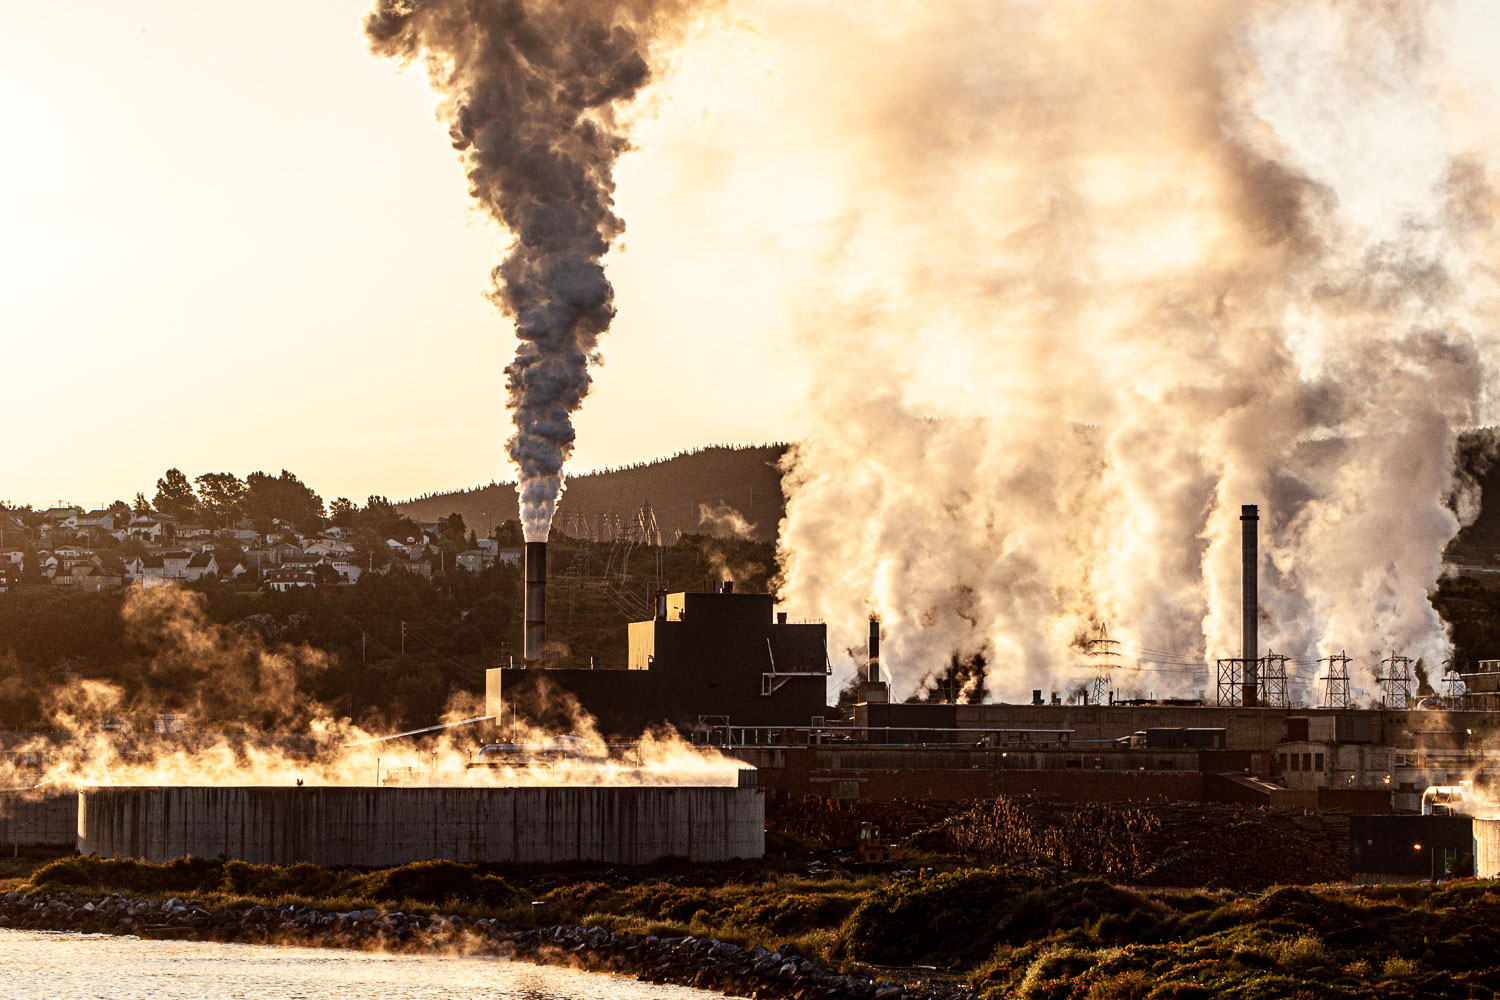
column 403, row 638
column 363, row 635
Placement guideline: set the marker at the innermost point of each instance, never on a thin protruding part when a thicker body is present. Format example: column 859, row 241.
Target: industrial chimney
column 872, row 674
column 1250, row 602
column 536, row 604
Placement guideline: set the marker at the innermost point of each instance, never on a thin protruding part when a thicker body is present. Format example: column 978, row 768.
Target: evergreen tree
column 175, row 496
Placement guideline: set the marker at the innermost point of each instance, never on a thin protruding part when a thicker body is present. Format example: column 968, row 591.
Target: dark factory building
column 704, row 659
column 1410, row 848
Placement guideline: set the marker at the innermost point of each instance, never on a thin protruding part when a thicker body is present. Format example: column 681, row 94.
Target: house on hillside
column 10, row 577
column 349, row 570
column 176, row 563
column 87, row 575
column 475, row 560
column 58, row 516
column 200, row 565
column 284, row 578
column 328, row 547
column 147, row 567
column 150, row 530
column 94, row 520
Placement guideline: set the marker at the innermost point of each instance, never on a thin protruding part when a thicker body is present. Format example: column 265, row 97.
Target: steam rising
column 1104, row 276
column 532, row 91
column 225, row 685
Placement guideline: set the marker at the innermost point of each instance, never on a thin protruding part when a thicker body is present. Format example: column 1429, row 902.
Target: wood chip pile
column 1167, row 844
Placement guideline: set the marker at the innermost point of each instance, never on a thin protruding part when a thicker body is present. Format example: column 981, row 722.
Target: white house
column 288, row 578
column 200, row 565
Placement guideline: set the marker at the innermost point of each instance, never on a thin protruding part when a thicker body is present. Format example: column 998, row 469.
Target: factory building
column 702, row 660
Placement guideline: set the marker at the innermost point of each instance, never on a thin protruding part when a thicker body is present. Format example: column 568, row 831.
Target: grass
column 1012, row 932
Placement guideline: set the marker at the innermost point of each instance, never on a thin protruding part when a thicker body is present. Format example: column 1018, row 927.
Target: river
column 43, row 964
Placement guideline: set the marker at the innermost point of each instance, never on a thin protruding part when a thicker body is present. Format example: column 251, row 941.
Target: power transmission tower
column 1397, row 681
column 1104, row 656
column 1273, row 680
column 1336, row 682
column 1454, row 688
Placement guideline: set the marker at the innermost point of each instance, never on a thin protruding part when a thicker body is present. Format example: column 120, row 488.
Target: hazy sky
column 231, row 239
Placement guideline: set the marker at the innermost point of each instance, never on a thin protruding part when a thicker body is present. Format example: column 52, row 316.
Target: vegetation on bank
column 1013, row 932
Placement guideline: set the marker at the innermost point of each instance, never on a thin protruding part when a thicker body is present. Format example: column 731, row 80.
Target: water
column 44, row 964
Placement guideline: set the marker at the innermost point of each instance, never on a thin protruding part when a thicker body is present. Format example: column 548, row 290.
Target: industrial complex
column 729, row 672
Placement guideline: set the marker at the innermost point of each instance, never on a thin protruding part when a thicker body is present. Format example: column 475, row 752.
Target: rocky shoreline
column 704, row 963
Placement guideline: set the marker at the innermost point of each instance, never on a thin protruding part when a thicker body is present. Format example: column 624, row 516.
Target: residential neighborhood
column 120, row 546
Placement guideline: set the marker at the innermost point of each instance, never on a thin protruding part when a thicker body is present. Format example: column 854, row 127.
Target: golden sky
column 232, row 239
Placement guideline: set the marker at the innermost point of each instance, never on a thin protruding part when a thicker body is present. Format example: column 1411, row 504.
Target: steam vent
column 392, row 826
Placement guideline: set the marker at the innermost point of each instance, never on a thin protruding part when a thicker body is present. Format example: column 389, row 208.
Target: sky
column 231, row 239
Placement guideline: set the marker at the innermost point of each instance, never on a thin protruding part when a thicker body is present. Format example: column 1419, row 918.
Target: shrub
column 272, row 881
column 437, row 882
column 1300, row 953
column 188, row 874
column 946, row 919
column 1397, row 967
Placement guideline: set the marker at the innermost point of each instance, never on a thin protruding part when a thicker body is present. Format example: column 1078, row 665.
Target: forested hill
column 677, row 488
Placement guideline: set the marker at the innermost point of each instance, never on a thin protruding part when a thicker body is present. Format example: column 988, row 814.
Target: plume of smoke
column 532, row 92
column 722, row 519
column 726, row 563
column 1104, row 278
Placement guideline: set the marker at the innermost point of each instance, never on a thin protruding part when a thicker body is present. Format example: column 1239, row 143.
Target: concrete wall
column 31, row 820
column 377, row 827
column 1487, row 848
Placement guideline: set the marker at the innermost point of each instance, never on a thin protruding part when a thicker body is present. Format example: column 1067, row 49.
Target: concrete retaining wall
column 31, row 820
column 1487, row 848
column 390, row 826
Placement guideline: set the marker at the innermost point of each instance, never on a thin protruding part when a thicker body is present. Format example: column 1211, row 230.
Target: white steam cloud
column 1092, row 275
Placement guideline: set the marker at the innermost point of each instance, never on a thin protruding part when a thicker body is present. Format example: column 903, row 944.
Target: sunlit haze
column 236, row 242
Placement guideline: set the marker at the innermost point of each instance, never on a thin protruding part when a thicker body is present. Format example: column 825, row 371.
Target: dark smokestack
column 873, row 675
column 536, row 603
column 1250, row 600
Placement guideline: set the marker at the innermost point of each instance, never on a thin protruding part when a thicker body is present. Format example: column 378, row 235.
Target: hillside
column 745, row 478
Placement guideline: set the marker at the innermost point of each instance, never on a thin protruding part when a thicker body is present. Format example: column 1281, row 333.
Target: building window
column 1317, row 762
column 1295, row 759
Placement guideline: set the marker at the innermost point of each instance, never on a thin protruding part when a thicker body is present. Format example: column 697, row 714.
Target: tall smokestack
column 536, row 603
column 873, row 674
column 1250, row 600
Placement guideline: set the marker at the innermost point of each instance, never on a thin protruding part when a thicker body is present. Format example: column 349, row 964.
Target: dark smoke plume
column 532, row 93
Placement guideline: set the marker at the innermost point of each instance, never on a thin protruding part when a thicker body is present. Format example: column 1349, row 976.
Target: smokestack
column 536, row 603
column 873, row 673
column 1250, row 601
